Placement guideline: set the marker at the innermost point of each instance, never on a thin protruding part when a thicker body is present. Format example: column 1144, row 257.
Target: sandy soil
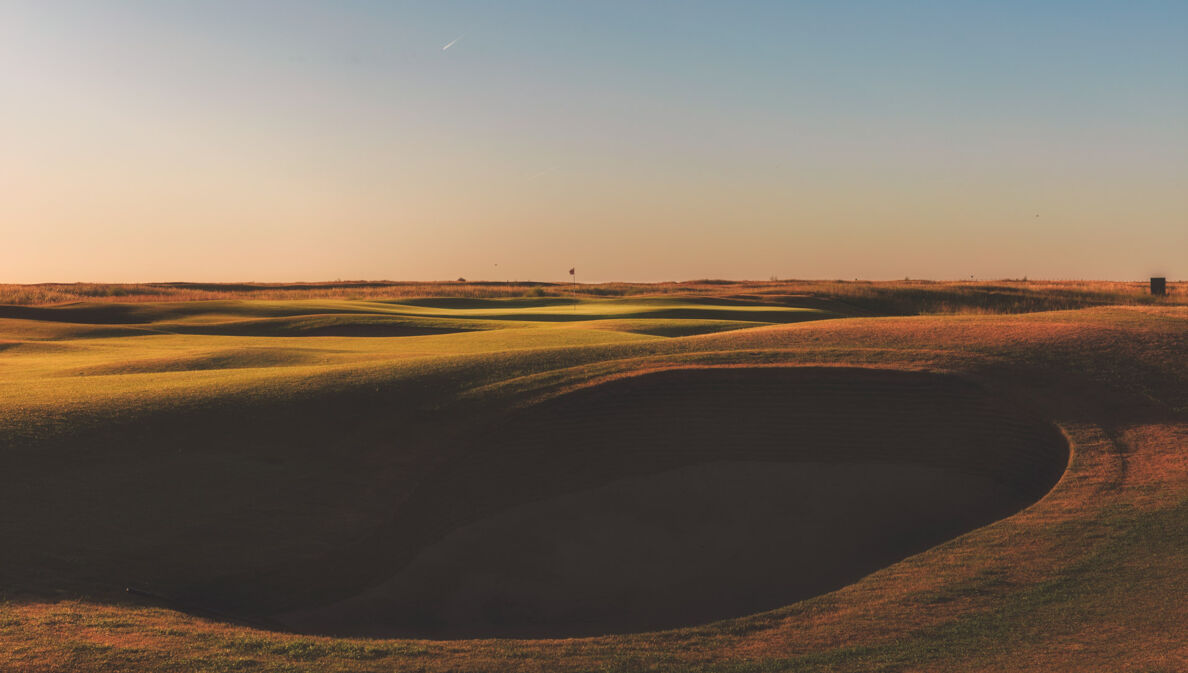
column 682, row 497
column 678, row 548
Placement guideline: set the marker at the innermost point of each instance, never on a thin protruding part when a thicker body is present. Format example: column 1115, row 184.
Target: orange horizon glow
column 145, row 142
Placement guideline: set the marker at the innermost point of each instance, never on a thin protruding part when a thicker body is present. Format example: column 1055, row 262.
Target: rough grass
column 905, row 297
column 156, row 445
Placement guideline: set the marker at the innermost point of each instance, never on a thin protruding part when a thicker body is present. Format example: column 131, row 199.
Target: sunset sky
column 281, row 141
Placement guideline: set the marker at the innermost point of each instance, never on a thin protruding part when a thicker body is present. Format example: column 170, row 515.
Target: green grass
column 907, row 297
column 169, row 445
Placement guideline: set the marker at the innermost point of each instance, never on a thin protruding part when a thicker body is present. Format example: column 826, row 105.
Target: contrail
column 452, row 42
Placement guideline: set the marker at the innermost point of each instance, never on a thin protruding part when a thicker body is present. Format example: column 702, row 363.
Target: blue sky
column 636, row 140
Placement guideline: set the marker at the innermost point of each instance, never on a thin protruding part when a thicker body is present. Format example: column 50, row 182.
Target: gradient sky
column 218, row 141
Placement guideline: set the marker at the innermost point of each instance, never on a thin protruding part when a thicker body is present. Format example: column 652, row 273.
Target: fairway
column 781, row 479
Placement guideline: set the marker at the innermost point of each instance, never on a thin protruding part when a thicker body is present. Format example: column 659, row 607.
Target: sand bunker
column 682, row 497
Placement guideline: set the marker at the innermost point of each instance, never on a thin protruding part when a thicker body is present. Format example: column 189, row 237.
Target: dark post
column 1158, row 286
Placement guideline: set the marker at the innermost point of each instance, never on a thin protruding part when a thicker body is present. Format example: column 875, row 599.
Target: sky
column 241, row 140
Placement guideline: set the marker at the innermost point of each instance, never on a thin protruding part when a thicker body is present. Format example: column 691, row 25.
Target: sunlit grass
column 132, row 430
column 904, row 297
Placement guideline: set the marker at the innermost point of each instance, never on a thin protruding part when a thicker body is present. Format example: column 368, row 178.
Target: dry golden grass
column 1090, row 578
column 880, row 297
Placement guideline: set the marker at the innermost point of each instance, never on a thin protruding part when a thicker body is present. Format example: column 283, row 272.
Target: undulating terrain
column 699, row 477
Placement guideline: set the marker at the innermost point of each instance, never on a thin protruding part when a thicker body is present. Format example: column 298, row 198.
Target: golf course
column 708, row 476
column 593, row 337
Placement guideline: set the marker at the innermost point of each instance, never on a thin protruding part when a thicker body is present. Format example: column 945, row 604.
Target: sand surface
column 677, row 498
column 678, row 548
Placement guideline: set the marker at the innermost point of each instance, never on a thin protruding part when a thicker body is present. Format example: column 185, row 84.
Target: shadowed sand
column 679, row 548
column 683, row 497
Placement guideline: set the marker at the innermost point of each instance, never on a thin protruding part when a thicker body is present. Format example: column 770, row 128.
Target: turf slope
column 167, row 447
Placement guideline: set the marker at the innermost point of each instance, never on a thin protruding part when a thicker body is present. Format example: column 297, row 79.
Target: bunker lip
column 908, row 460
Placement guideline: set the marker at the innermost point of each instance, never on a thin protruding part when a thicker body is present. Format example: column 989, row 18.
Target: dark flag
column 573, row 272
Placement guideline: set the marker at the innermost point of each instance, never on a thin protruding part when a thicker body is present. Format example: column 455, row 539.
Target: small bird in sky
column 452, row 42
